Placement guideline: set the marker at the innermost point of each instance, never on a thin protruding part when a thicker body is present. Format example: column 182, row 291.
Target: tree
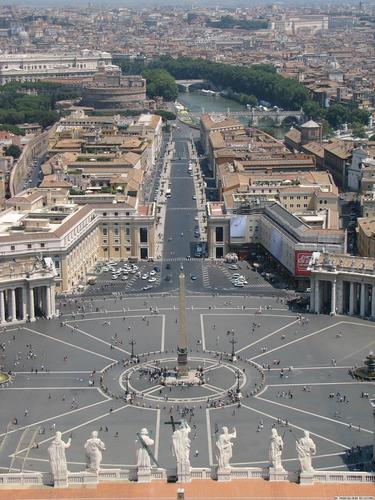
column 160, row 83
column 358, row 130
column 166, row 115
column 13, row 150
column 313, row 110
column 336, row 115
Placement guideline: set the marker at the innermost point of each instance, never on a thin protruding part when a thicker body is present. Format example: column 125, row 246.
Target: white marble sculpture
column 181, row 443
column 143, row 458
column 93, row 448
column 305, row 450
column 57, row 459
column 224, row 446
column 276, row 450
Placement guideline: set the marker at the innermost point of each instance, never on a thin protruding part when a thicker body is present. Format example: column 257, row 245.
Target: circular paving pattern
column 223, row 381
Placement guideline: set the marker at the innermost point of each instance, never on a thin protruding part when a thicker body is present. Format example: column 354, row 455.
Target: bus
column 168, row 193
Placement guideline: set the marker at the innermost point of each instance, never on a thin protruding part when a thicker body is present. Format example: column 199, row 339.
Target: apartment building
column 46, row 222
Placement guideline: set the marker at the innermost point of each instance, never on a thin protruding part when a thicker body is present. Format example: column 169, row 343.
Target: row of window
column 292, row 197
column 291, row 205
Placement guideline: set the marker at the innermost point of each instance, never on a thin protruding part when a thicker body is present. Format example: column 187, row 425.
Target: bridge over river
column 255, row 116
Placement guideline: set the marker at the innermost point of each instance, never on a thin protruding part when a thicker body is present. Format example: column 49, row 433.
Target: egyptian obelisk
column 182, row 349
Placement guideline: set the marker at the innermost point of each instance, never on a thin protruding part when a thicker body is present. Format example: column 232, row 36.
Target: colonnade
column 26, row 302
column 343, row 295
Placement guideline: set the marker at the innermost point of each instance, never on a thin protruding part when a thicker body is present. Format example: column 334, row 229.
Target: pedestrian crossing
column 205, row 276
column 254, row 281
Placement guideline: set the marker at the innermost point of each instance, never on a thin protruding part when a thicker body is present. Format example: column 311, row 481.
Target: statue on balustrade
column 57, row 457
column 276, row 450
column 224, row 446
column 305, row 450
column 94, row 447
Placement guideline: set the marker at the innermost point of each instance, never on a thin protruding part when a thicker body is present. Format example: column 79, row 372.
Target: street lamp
column 232, row 341
column 132, row 343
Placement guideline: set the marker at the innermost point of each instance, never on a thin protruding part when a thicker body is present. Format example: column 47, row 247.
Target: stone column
column 24, row 304
column 31, row 305
column 340, row 295
column 48, row 302
column 373, row 303
column 363, row 290
column 312, row 294
column 333, row 297
column 53, row 302
column 351, row 298
column 12, row 304
column 317, row 297
column 2, row 307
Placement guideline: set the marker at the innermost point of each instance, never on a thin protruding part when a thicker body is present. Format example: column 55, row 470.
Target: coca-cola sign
column 301, row 262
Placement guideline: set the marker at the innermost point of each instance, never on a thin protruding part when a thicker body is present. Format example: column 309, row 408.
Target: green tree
column 336, row 115
column 313, row 110
column 358, row 130
column 166, row 115
column 160, row 83
column 13, row 150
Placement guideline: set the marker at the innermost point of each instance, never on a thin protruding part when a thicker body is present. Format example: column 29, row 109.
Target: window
column 292, row 205
column 42, row 245
column 305, row 205
column 127, row 231
column 104, row 214
column 117, row 249
column 219, row 232
column 29, row 245
column 143, row 234
column 298, row 197
column 298, row 205
column 116, row 214
column 128, row 249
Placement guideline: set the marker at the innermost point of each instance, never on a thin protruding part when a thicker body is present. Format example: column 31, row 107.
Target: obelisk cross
column 182, row 349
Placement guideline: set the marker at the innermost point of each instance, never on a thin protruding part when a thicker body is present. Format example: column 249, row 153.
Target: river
column 196, row 102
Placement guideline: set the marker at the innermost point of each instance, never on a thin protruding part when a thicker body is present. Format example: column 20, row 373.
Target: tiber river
column 196, row 102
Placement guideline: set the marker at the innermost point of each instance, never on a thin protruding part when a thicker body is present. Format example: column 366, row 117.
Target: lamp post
column 232, row 341
column 132, row 343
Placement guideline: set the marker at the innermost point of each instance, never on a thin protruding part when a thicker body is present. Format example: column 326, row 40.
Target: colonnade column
column 2, row 307
column 363, row 289
column 351, row 298
column 48, row 302
column 339, row 296
column 317, row 297
column 53, row 302
column 31, row 305
column 373, row 302
column 12, row 304
column 333, row 298
column 24, row 304
column 312, row 294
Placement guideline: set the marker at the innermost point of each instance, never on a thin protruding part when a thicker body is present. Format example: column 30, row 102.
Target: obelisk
column 182, row 349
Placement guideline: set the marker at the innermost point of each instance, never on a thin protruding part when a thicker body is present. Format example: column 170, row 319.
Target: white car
column 151, row 280
column 152, row 273
column 105, row 269
column 144, row 276
column 124, row 278
column 238, row 284
column 114, row 276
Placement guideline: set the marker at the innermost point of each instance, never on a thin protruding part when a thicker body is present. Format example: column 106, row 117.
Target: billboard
column 301, row 261
column 276, row 247
column 238, row 226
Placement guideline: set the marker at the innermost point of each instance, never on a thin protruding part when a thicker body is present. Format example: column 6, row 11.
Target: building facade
column 32, row 67
column 342, row 284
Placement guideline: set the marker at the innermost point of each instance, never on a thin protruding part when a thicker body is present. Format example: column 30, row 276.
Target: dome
column 333, row 65
column 310, row 124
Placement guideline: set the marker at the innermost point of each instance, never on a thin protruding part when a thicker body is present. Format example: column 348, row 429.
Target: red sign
column 301, row 261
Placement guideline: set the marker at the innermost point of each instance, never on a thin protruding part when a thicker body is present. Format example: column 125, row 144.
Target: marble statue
column 57, row 457
column 143, row 458
column 181, row 443
column 276, row 450
column 94, row 447
column 305, row 450
column 224, row 445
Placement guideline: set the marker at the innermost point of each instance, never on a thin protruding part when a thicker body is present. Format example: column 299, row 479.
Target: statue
column 305, row 449
column 94, row 447
column 224, row 446
column 143, row 458
column 181, row 444
column 275, row 450
column 57, row 457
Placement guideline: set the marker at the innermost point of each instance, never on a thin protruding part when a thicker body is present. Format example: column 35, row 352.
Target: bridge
column 255, row 115
column 186, row 84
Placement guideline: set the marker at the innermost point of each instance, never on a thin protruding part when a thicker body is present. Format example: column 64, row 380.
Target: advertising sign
column 301, row 262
